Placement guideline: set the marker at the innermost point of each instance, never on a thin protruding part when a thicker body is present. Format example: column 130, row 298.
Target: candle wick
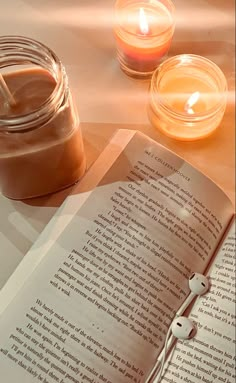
column 189, row 110
column 140, row 32
column 8, row 97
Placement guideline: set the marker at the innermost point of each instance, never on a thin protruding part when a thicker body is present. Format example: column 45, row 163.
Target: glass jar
column 41, row 146
column 143, row 32
column 187, row 97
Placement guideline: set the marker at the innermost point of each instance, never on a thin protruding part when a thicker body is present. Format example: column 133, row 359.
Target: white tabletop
column 80, row 33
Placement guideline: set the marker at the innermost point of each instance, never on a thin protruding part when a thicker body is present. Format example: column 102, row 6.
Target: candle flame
column 191, row 102
column 143, row 23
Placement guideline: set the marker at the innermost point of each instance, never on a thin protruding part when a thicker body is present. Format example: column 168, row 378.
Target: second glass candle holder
column 187, row 97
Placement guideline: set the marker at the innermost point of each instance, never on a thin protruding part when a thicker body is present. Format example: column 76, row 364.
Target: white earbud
column 199, row 285
column 181, row 328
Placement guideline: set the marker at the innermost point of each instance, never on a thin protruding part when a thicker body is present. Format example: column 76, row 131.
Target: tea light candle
column 143, row 32
column 187, row 98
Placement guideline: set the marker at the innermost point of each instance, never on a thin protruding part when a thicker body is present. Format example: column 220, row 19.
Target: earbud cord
column 168, row 341
column 157, row 379
column 162, row 356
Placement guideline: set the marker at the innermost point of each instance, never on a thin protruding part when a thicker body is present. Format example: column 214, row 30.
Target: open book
column 93, row 299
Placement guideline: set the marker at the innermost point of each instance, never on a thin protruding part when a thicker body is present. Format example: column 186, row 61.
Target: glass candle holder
column 143, row 32
column 41, row 146
column 187, row 97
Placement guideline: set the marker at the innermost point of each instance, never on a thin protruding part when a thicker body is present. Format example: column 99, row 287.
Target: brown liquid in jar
column 45, row 159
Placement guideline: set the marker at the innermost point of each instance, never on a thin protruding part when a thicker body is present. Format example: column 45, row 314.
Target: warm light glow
column 191, row 102
column 143, row 23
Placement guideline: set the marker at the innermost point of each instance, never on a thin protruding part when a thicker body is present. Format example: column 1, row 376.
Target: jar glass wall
column 41, row 146
column 143, row 33
column 187, row 97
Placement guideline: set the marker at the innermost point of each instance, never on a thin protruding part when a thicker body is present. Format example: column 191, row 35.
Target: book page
column 210, row 355
column 98, row 302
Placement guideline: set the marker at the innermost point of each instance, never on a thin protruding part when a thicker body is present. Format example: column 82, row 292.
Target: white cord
column 161, row 357
column 157, row 379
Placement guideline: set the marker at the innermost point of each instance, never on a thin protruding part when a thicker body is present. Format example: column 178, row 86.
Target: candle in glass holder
column 143, row 32
column 187, row 97
column 41, row 145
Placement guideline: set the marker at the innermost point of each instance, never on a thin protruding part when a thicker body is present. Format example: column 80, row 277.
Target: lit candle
column 143, row 23
column 143, row 32
column 187, row 97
